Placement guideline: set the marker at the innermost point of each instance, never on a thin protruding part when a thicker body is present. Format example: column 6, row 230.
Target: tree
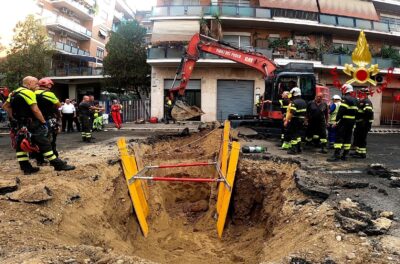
column 30, row 52
column 125, row 63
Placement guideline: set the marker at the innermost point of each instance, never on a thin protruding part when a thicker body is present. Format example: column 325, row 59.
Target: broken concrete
column 312, row 186
column 32, row 194
column 7, row 186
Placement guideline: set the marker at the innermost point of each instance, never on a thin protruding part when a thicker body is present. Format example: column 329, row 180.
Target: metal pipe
column 156, row 178
column 192, row 164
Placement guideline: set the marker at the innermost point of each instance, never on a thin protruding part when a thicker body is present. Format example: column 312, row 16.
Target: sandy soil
column 88, row 217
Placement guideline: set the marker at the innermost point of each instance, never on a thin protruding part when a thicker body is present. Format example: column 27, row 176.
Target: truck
column 276, row 79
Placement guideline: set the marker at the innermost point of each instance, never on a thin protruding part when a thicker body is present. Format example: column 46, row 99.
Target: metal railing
column 73, row 50
column 342, row 59
column 268, row 13
column 77, row 5
column 77, row 71
column 67, row 23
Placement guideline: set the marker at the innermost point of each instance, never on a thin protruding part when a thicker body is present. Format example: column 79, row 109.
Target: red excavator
column 276, row 80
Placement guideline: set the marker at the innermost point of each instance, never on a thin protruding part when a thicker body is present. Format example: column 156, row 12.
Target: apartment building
column 79, row 31
column 321, row 32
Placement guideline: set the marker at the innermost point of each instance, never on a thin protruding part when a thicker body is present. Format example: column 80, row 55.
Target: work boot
column 344, row 155
column 41, row 162
column 298, row 147
column 292, row 150
column 335, row 157
column 60, row 165
column 27, row 168
column 360, row 156
column 323, row 148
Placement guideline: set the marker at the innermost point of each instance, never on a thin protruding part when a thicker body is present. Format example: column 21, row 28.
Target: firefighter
column 85, row 115
column 317, row 118
column 28, row 122
column 168, row 109
column 48, row 104
column 333, row 110
column 364, row 119
column 294, row 121
column 345, row 120
column 283, row 104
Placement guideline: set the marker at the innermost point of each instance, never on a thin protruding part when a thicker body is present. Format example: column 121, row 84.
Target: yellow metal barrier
column 225, row 195
column 135, row 188
column 138, row 189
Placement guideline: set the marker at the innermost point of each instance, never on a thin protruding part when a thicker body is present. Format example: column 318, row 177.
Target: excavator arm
column 181, row 110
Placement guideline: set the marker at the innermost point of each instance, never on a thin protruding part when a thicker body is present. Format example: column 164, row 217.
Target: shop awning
column 303, row 5
column 174, row 31
column 349, row 8
column 103, row 33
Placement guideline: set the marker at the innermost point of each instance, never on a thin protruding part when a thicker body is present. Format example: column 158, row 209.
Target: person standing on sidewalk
column 67, row 112
column 116, row 109
column 345, row 121
column 76, row 115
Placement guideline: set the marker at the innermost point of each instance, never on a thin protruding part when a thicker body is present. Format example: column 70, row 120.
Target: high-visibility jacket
column 46, row 101
column 21, row 100
column 332, row 116
column 365, row 111
column 298, row 108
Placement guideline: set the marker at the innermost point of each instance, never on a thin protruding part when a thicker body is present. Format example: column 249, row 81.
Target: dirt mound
column 90, row 219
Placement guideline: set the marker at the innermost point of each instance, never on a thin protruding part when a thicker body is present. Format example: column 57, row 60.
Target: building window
column 104, row 15
column 100, row 53
column 238, row 41
column 185, row 2
column 343, row 47
column 297, row 14
column 72, row 43
column 231, row 2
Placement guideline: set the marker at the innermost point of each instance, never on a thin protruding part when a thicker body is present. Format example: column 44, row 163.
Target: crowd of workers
column 315, row 118
column 34, row 113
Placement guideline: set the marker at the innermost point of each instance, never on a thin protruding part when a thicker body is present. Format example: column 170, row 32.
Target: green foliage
column 342, row 50
column 125, row 63
column 30, row 53
column 279, row 43
column 388, row 52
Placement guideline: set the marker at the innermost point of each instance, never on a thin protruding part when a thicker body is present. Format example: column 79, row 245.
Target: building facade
column 79, row 31
column 321, row 32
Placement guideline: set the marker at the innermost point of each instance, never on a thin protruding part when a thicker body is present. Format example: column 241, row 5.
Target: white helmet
column 347, row 88
column 336, row 97
column 295, row 91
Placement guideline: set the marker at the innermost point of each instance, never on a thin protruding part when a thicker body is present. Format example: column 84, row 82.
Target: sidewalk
column 159, row 127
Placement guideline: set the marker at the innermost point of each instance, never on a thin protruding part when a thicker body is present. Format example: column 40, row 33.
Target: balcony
column 70, row 50
column 64, row 24
column 267, row 14
column 342, row 59
column 198, row 11
column 77, row 71
column 80, row 10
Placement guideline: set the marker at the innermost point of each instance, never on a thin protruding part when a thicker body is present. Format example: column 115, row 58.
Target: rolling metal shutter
column 234, row 97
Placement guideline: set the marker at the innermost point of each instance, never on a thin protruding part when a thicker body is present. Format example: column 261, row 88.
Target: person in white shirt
column 68, row 112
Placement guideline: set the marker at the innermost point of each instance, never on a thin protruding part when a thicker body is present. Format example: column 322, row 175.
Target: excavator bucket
column 182, row 111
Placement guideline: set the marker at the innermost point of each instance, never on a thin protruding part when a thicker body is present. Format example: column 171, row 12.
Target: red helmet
column 44, row 82
column 4, row 91
column 28, row 147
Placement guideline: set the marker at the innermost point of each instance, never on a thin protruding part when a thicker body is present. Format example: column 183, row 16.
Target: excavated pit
column 182, row 215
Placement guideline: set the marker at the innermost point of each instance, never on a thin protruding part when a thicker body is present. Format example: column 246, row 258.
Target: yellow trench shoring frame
column 227, row 165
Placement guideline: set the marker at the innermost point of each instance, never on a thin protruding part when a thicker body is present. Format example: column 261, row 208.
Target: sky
column 13, row 11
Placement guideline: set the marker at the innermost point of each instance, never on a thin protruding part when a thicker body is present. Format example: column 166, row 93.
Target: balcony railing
column 342, row 59
column 76, row 5
column 67, row 23
column 77, row 71
column 267, row 13
column 67, row 48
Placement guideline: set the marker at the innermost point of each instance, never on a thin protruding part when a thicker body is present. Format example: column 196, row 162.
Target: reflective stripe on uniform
column 53, row 157
column 21, row 153
column 293, row 142
column 349, row 117
column 48, row 154
column 344, row 105
column 338, row 145
column 323, row 140
column 347, row 146
column 23, row 158
column 286, row 145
